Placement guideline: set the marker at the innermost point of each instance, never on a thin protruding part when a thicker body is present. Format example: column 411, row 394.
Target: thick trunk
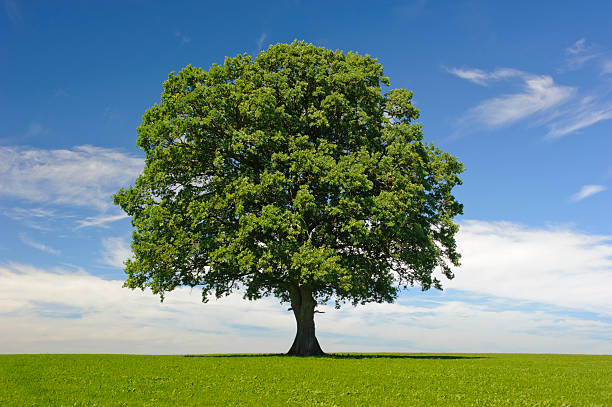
column 303, row 305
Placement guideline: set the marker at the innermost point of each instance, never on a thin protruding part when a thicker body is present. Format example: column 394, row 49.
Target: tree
column 290, row 174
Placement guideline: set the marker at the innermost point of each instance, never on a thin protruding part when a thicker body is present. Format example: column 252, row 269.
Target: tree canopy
column 290, row 174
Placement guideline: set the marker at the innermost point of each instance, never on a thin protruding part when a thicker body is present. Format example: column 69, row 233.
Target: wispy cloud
column 481, row 77
column 578, row 116
column 99, row 221
column 563, row 109
column 578, row 54
column 17, row 213
column 84, row 176
column 587, row 191
column 517, row 289
column 606, row 67
column 411, row 9
column 12, row 11
column 46, row 219
column 260, row 41
column 111, row 114
column 37, row 218
column 115, row 251
column 25, row 239
column 539, row 94
column 558, row 107
column 34, row 129
column 183, row 38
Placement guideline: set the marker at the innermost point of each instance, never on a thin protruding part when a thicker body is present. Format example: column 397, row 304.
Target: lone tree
column 290, row 174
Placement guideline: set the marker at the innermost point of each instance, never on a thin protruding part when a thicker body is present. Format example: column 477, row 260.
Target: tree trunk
column 303, row 305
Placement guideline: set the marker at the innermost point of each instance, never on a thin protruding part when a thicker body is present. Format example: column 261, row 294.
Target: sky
column 520, row 92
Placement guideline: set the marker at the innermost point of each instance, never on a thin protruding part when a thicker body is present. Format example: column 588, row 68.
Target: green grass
column 270, row 380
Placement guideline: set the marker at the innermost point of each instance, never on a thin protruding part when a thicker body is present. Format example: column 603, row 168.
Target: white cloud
column 481, row 77
column 539, row 94
column 84, row 176
column 529, row 278
column 115, row 252
column 66, row 311
column 459, row 326
column 587, row 191
column 25, row 239
column 555, row 266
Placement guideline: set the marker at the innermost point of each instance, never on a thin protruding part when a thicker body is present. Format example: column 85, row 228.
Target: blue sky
column 520, row 93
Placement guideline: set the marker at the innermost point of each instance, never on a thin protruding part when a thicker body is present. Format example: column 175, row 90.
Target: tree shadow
column 392, row 356
column 340, row 356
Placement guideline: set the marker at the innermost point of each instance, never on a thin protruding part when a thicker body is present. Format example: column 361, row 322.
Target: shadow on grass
column 340, row 356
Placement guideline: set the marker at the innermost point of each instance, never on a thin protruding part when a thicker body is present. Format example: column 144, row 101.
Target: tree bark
column 303, row 305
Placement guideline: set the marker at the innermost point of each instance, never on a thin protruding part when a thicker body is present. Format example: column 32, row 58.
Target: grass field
column 342, row 380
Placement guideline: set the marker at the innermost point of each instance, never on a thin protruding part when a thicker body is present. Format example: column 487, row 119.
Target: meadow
column 333, row 380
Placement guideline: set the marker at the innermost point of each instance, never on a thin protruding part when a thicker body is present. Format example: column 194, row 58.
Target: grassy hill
column 342, row 380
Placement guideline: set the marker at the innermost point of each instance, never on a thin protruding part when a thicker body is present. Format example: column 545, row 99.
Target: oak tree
column 292, row 174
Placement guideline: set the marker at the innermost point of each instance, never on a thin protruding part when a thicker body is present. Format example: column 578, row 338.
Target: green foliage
column 353, row 380
column 290, row 169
